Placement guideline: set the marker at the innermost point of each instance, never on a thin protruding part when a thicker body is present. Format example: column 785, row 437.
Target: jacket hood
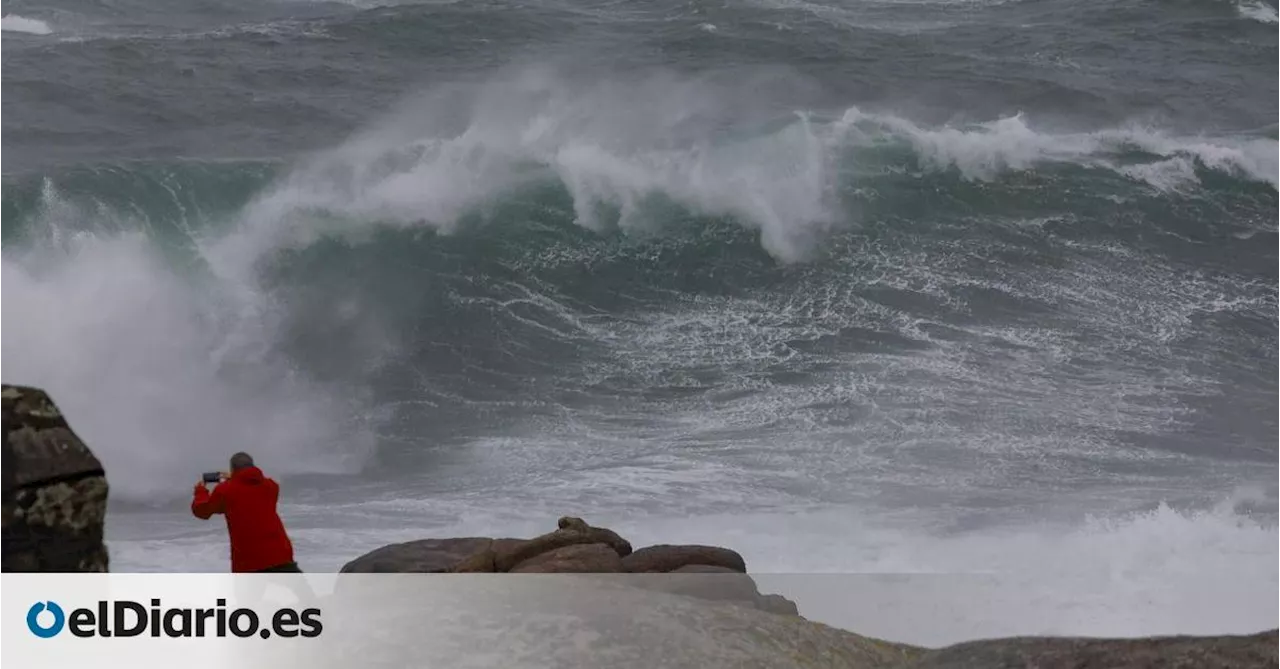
column 248, row 475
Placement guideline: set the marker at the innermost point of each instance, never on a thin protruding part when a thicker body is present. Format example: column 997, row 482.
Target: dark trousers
column 251, row 590
column 286, row 568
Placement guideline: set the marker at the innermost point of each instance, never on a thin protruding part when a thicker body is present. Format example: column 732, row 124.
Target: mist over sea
column 862, row 286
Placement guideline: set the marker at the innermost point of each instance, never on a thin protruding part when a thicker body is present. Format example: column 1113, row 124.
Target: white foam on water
column 986, row 150
column 1150, row 573
column 1155, row 572
column 1257, row 10
column 1159, row 571
column 20, row 24
column 872, row 15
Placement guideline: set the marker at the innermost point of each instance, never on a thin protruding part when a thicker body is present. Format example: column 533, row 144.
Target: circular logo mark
column 45, row 631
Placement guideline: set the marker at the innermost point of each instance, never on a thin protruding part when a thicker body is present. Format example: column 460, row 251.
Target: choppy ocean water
column 934, row 287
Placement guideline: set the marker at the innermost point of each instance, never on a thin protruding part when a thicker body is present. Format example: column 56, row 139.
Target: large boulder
column 575, row 547
column 665, row 558
column 572, row 531
column 432, row 556
column 578, row 558
column 485, row 560
column 55, row 490
column 482, row 554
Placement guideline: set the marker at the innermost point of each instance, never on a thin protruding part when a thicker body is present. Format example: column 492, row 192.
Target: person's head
column 241, row 461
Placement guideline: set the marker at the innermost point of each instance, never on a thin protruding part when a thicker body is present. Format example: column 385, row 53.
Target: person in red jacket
column 248, row 499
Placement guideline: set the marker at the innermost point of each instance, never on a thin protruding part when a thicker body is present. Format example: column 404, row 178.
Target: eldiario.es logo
column 125, row 618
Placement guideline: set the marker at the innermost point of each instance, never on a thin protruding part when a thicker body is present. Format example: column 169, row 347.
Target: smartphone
column 212, row 477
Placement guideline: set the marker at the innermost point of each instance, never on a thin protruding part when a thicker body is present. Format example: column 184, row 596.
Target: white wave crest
column 13, row 23
column 622, row 146
column 614, row 145
column 1257, row 10
column 985, row 150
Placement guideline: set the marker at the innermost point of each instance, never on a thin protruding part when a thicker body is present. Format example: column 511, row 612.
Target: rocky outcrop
column 777, row 604
column 1175, row 652
column 664, row 558
column 425, row 556
column 482, row 554
column 579, row 558
column 705, row 572
column 55, row 490
column 696, row 606
column 581, row 621
column 572, row 531
column 714, row 583
column 568, row 621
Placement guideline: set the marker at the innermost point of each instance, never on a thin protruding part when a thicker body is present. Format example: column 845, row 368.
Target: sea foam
column 20, row 24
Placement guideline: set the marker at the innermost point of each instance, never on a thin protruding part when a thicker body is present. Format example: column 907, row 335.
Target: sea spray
column 20, row 24
column 161, row 367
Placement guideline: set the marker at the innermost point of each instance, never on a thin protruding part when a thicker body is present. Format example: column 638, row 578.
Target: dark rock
column 570, row 621
column 508, row 556
column 578, row 558
column 480, row 554
column 484, row 561
column 54, row 490
column 707, row 582
column 705, row 569
column 480, row 562
column 716, row 584
column 666, row 558
column 1178, row 652
column 571, row 523
column 433, row 556
column 777, row 604
column 704, row 572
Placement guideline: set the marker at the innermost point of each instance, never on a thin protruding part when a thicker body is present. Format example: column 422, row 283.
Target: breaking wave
column 19, row 24
column 467, row 214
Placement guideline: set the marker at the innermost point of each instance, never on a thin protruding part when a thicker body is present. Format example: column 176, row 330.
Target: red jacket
column 248, row 499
